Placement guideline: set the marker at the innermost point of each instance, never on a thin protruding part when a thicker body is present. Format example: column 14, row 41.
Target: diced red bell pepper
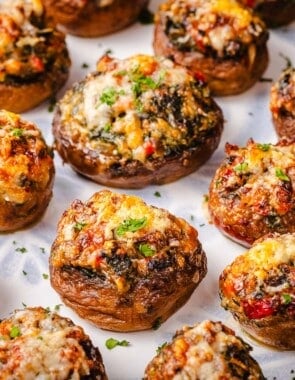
column 257, row 309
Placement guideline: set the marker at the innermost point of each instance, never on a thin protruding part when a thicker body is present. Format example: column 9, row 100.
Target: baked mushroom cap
column 26, row 172
column 274, row 13
column 34, row 60
column 123, row 264
column 92, row 18
column 221, row 39
column 258, row 288
column 37, row 343
column 207, row 350
column 138, row 121
column 252, row 191
column 282, row 103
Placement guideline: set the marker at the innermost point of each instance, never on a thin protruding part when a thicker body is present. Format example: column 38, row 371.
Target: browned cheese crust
column 138, row 121
column 92, row 18
column 34, row 61
column 274, row 13
column 38, row 344
column 258, row 288
column 220, row 40
column 207, row 350
column 122, row 264
column 26, row 172
column 282, row 103
column 252, row 192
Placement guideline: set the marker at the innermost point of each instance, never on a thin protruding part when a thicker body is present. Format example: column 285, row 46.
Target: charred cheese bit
column 38, row 344
column 201, row 352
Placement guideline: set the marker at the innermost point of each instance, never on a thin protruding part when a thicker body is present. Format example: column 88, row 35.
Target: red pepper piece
column 149, row 148
column 257, row 309
column 37, row 63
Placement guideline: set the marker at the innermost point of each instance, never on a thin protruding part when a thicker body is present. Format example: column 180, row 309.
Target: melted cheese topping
column 216, row 27
column 120, row 237
column 139, row 108
column 27, row 169
column 103, row 216
column 36, row 344
column 200, row 352
column 272, row 252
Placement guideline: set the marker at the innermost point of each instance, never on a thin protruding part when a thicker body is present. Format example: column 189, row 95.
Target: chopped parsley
column 160, row 348
column 79, row 226
column 57, row 307
column 110, row 96
column 241, row 168
column 107, row 127
column 281, row 175
column 287, row 298
column 142, row 83
column 45, row 276
column 14, row 332
column 157, row 194
column 17, row 132
column 264, row 147
column 108, row 52
column 112, row 343
column 42, row 250
column 24, row 304
column 21, row 249
column 131, row 225
column 25, row 273
column 146, row 250
column 84, row 65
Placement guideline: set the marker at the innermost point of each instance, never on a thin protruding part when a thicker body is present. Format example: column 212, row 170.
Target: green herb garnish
column 79, row 226
column 25, row 273
column 160, row 348
column 241, row 168
column 110, row 96
column 131, row 225
column 17, row 132
column 14, row 332
column 157, row 194
column 146, row 250
column 112, row 343
column 287, row 298
column 264, row 147
column 85, row 65
column 21, row 249
column 107, row 128
column 45, row 276
column 281, row 175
